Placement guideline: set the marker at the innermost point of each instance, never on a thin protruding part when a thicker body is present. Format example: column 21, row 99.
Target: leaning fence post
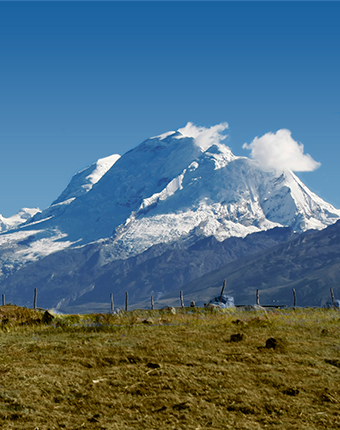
column 224, row 282
column 294, row 294
column 112, row 305
column 126, row 301
column 152, row 303
column 257, row 297
column 333, row 300
column 181, row 297
column 35, row 299
column 3, row 300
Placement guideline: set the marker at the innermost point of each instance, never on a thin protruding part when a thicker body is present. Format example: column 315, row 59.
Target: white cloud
column 279, row 151
column 204, row 137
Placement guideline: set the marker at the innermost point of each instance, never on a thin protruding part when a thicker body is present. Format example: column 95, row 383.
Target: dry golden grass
column 156, row 370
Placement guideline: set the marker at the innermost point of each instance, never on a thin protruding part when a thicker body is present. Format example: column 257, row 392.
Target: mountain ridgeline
column 166, row 213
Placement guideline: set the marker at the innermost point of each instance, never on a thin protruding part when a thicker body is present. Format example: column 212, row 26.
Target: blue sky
column 83, row 80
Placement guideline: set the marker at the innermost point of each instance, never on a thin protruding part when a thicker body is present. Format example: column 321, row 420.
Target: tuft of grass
column 172, row 370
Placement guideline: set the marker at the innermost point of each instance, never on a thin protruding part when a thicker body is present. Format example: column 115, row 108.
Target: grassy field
column 193, row 369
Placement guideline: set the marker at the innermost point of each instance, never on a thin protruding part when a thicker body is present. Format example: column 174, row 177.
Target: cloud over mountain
column 279, row 151
column 204, row 136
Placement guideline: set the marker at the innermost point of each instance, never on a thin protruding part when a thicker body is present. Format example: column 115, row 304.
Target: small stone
column 181, row 406
column 153, row 365
column 291, row 392
column 271, row 343
column 333, row 362
column 276, row 344
column 236, row 337
column 47, row 318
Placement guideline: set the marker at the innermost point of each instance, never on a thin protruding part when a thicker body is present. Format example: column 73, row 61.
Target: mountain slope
column 309, row 263
column 76, row 276
column 83, row 181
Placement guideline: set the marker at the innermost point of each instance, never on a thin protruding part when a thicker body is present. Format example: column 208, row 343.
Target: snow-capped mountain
column 19, row 218
column 179, row 184
column 170, row 192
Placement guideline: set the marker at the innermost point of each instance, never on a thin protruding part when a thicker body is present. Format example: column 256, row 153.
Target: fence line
column 192, row 303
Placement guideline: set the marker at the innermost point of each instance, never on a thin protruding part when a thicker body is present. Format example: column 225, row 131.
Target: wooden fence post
column 3, row 300
column 112, row 304
column 294, row 294
column 222, row 291
column 126, row 301
column 35, row 299
column 152, row 303
column 257, row 297
column 181, row 297
column 333, row 300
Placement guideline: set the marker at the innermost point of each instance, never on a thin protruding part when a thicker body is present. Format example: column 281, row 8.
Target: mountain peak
column 83, row 181
column 203, row 137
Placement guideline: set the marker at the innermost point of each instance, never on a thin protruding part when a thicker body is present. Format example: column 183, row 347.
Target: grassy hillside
column 169, row 369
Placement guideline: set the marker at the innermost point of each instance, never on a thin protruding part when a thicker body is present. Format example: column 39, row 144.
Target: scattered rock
column 291, row 391
column 236, row 337
column 271, row 343
column 276, row 344
column 47, row 318
column 333, row 362
column 153, row 365
column 181, row 406
column 148, row 321
column 171, row 310
column 94, row 419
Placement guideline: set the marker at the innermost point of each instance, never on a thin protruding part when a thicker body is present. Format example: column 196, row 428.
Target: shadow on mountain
column 77, row 277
